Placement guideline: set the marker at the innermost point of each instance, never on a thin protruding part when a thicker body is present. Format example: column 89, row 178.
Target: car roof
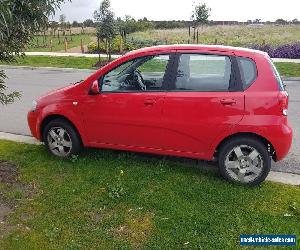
column 200, row 47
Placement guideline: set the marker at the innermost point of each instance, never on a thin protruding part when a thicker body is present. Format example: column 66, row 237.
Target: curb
column 279, row 177
column 19, row 138
column 285, row 178
column 290, row 79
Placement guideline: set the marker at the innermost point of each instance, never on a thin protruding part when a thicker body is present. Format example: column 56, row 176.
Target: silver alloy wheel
column 59, row 141
column 244, row 164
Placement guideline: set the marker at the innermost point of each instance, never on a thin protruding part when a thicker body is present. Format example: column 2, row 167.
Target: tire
column 244, row 160
column 61, row 138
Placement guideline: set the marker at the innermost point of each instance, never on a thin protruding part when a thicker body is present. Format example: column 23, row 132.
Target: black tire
column 264, row 158
column 71, row 134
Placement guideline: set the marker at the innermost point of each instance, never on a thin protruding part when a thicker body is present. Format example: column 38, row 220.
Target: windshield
column 120, row 69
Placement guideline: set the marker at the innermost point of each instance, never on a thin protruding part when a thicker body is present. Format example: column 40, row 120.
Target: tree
column 19, row 21
column 281, row 21
column 54, row 27
column 200, row 16
column 257, row 20
column 76, row 24
column 62, row 22
column 106, row 25
column 88, row 23
column 201, row 13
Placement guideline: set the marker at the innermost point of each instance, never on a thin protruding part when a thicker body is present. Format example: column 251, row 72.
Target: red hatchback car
column 206, row 102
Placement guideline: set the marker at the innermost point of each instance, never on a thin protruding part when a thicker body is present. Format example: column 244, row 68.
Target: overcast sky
column 239, row 10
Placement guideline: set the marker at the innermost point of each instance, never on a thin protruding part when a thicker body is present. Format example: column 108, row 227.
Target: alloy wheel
column 59, row 141
column 244, row 163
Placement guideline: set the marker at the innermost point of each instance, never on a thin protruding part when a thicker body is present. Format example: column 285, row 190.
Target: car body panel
column 131, row 119
column 189, row 124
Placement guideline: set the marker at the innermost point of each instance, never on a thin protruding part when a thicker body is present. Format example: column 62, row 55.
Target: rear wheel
column 61, row 139
column 244, row 160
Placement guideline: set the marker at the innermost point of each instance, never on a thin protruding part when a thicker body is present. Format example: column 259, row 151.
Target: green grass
column 285, row 69
column 60, row 62
column 289, row 69
column 38, row 43
column 106, row 199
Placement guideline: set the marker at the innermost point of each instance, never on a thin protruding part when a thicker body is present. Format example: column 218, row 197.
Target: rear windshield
column 277, row 76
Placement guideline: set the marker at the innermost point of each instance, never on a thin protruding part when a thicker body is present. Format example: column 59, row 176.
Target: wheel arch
column 53, row 117
column 265, row 141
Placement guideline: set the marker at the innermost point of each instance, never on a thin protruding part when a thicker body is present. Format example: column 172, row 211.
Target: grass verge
column 117, row 200
column 285, row 69
column 59, row 62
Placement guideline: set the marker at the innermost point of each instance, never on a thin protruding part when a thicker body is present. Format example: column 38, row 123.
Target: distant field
column 234, row 35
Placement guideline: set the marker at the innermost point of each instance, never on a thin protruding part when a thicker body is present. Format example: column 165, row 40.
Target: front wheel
column 244, row 160
column 61, row 139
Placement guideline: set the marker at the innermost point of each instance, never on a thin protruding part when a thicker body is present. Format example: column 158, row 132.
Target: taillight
column 283, row 98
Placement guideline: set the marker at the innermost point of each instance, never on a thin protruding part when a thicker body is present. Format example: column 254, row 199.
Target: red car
column 205, row 102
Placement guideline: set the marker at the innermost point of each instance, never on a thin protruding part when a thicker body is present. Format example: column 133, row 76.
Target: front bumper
column 32, row 118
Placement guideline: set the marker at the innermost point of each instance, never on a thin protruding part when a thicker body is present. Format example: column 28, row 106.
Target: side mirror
column 94, row 90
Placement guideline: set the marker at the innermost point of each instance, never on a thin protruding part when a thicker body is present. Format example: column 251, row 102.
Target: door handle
column 149, row 102
column 228, row 101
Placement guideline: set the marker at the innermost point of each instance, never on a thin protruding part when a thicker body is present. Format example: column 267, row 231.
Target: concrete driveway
column 35, row 82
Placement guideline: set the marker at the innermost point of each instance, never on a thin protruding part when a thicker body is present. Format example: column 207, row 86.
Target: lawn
column 289, row 69
column 105, row 199
column 38, row 43
column 285, row 69
column 59, row 62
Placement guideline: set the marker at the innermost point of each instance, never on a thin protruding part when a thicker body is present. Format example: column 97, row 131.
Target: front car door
column 128, row 111
column 203, row 102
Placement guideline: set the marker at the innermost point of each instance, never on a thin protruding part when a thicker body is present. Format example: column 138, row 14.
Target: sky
column 229, row 10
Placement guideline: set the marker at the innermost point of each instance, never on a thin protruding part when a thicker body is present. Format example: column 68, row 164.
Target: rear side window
column 248, row 71
column 198, row 72
column 277, row 76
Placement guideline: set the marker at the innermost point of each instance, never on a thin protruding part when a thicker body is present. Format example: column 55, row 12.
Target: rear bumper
column 32, row 118
column 282, row 141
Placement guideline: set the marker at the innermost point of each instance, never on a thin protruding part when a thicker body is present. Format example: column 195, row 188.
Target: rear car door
column 203, row 101
column 128, row 111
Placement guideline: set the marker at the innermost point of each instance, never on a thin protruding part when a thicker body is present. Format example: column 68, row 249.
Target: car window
column 119, row 69
column 277, row 76
column 248, row 71
column 203, row 73
column 141, row 74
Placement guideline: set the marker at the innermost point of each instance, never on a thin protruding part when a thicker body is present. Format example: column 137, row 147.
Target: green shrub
column 116, row 46
column 131, row 44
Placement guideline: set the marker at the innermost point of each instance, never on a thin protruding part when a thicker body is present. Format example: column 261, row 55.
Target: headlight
column 33, row 106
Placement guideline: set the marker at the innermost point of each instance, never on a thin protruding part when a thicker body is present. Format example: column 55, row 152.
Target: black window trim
column 165, row 84
column 235, row 82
